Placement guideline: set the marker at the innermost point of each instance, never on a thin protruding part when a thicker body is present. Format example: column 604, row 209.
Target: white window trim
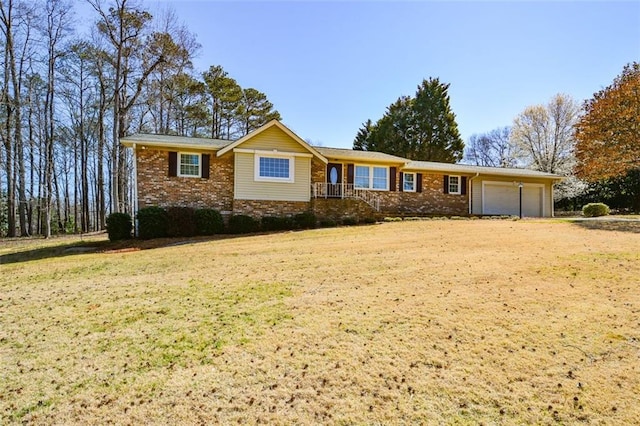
column 404, row 177
column 292, row 169
column 180, row 154
column 371, row 167
column 459, row 191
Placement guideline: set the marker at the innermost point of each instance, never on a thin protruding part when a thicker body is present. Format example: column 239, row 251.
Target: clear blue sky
column 329, row 66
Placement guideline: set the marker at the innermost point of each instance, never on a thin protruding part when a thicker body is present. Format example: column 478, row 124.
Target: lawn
column 425, row 322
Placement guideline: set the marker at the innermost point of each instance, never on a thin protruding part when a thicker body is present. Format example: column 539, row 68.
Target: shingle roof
column 175, row 141
column 350, row 154
column 340, row 154
column 469, row 169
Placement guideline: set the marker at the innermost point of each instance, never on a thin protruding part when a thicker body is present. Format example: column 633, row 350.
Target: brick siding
column 431, row 201
column 156, row 188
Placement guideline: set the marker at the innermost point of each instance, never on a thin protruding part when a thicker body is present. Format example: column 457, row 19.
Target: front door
column 334, row 180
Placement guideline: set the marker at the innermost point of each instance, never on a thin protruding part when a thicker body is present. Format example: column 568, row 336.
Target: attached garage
column 503, row 198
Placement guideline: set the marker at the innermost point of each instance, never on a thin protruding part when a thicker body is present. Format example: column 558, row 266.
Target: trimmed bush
column 595, row 210
column 182, row 222
column 349, row 221
column 369, row 220
column 242, row 224
column 328, row 223
column 306, row 220
column 209, row 222
column 275, row 223
column 119, row 226
column 152, row 222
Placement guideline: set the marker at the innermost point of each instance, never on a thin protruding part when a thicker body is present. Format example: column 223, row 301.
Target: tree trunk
column 7, row 29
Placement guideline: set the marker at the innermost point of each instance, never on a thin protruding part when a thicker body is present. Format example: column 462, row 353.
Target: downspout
column 552, row 207
column 135, row 191
column 470, row 191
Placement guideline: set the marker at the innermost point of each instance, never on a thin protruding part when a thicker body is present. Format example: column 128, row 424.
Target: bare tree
column 58, row 19
column 545, row 134
column 134, row 54
column 493, row 149
column 179, row 46
column 16, row 24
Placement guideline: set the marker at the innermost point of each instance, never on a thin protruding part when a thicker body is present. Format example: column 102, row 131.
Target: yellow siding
column 246, row 188
column 476, row 196
column 273, row 139
column 476, row 191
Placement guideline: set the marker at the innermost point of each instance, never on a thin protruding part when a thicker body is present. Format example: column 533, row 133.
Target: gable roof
column 325, row 154
column 354, row 155
column 270, row 124
column 166, row 141
column 469, row 169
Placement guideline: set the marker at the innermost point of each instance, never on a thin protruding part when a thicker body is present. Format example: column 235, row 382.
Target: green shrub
column 306, row 220
column 595, row 210
column 119, row 226
column 349, row 221
column 242, row 224
column 369, row 220
column 275, row 223
column 209, row 222
column 152, row 222
column 182, row 222
column 328, row 223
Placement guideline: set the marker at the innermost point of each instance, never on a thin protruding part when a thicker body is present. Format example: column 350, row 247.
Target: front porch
column 343, row 191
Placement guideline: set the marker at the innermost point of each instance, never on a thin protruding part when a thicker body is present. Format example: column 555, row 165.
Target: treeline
column 67, row 98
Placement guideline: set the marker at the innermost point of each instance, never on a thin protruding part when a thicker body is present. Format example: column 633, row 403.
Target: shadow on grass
column 104, row 246
column 632, row 226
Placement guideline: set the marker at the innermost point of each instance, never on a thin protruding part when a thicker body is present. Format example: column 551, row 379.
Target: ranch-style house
column 273, row 172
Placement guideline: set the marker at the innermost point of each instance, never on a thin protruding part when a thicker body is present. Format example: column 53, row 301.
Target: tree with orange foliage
column 608, row 133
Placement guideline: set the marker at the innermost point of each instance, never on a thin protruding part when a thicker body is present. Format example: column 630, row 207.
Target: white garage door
column 504, row 199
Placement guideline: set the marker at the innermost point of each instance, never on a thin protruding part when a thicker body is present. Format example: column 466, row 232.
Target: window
column 371, row 177
column 362, row 177
column 380, row 178
column 454, row 184
column 189, row 165
column 274, row 168
column 409, row 182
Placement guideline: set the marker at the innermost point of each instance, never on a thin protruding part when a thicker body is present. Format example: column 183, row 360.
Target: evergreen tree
column 360, row 142
column 255, row 110
column 422, row 127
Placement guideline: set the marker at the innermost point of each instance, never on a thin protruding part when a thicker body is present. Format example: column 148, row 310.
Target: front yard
column 436, row 322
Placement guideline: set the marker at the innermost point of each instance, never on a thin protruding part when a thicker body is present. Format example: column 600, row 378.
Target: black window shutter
column 446, row 184
column 204, row 170
column 463, row 188
column 418, row 182
column 392, row 178
column 173, row 163
column 350, row 173
column 401, row 182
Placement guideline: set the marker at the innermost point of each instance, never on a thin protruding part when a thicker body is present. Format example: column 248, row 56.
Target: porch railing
column 345, row 190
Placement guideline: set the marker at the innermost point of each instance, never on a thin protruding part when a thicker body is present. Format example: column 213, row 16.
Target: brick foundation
column 337, row 209
column 261, row 208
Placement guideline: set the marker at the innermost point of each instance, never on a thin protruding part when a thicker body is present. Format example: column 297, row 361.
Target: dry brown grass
column 434, row 322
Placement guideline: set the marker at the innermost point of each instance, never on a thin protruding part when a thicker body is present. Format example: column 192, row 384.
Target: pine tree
column 422, row 127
